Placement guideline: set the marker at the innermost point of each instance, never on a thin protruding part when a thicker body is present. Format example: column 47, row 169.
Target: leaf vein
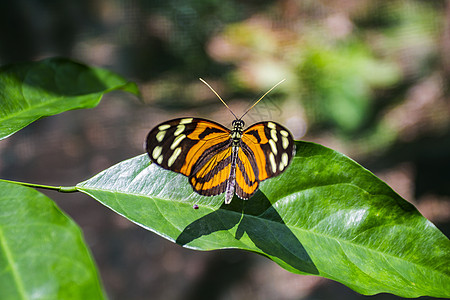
column 14, row 270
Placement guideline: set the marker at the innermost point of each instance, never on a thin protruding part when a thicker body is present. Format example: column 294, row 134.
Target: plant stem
column 62, row 189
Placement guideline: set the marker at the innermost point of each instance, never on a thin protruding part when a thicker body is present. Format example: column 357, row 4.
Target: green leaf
column 42, row 252
column 326, row 215
column 29, row 91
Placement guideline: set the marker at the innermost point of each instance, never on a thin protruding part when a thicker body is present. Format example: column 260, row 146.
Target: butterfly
column 218, row 160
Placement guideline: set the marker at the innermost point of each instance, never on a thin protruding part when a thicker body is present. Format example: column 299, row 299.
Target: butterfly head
column 238, row 125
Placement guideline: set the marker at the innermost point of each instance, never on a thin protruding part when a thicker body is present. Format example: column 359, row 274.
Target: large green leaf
column 326, row 215
column 42, row 252
column 29, row 91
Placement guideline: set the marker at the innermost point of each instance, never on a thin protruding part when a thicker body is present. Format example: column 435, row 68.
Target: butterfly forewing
column 246, row 173
column 184, row 144
column 272, row 147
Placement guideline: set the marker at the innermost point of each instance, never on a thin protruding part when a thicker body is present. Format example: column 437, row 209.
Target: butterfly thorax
column 236, row 132
column 235, row 135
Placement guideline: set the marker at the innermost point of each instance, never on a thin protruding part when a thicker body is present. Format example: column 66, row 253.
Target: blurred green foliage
column 346, row 64
column 339, row 83
column 341, row 63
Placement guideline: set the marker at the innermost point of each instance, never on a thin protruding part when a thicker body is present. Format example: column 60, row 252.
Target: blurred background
column 367, row 78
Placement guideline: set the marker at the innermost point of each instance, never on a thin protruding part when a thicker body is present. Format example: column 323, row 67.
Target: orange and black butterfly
column 217, row 159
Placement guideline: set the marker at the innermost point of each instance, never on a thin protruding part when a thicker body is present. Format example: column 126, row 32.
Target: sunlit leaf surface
column 326, row 215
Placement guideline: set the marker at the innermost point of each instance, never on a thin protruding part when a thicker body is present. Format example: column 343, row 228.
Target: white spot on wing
column 177, row 141
column 156, row 152
column 160, row 135
column 284, row 133
column 273, row 164
column 174, row 156
column 273, row 135
column 271, row 125
column 285, row 142
column 180, row 129
column 186, row 121
column 273, row 146
column 284, row 159
column 164, row 127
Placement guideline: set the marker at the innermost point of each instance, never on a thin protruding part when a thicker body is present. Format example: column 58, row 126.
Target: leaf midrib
column 31, row 108
column 295, row 228
column 14, row 270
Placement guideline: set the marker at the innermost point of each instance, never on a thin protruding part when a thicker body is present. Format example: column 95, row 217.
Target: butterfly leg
column 229, row 192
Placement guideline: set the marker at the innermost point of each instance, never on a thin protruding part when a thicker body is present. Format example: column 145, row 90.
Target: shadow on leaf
column 263, row 225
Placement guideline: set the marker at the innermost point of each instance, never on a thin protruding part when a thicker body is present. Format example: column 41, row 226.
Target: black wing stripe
column 208, row 154
column 215, row 170
column 212, row 178
column 249, row 165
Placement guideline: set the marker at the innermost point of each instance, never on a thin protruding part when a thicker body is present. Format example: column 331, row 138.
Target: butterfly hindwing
column 247, row 173
column 211, row 178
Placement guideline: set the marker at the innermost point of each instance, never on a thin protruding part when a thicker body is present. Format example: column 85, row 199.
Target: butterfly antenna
column 262, row 97
column 207, row 84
